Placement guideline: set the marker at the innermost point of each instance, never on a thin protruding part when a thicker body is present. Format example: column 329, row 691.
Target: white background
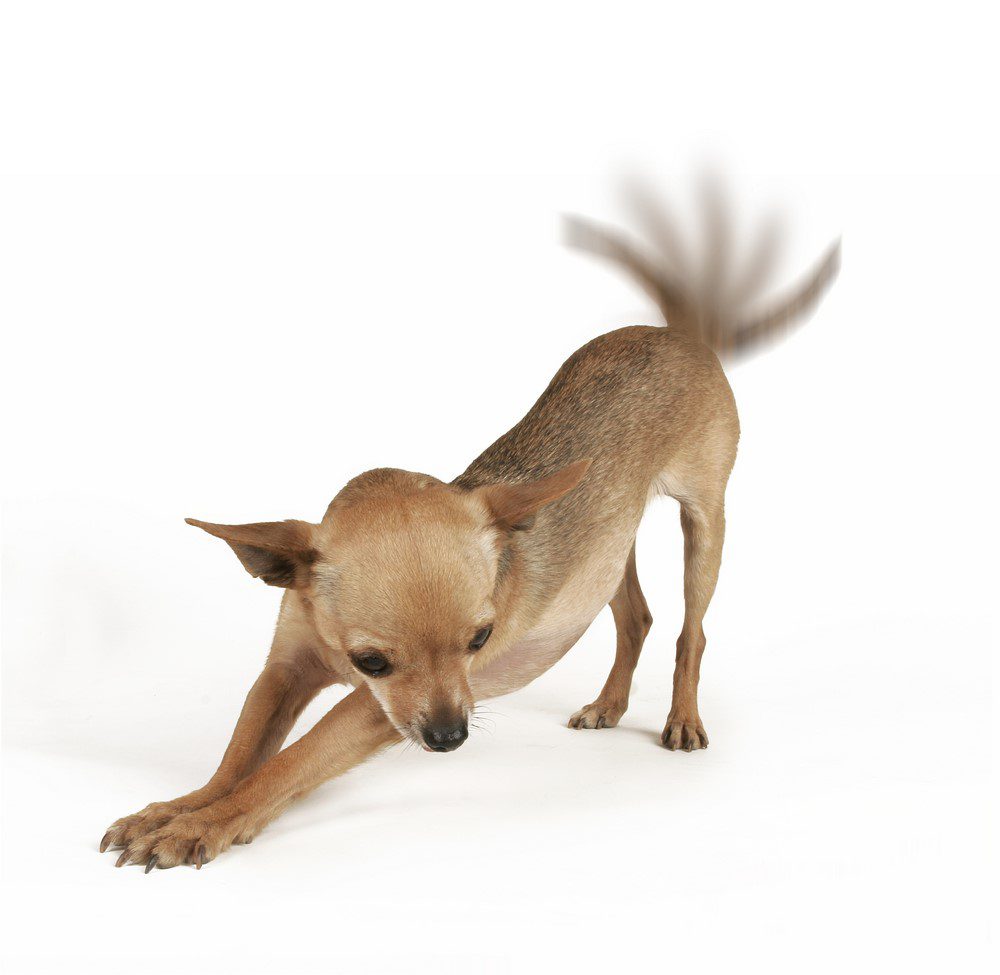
column 251, row 250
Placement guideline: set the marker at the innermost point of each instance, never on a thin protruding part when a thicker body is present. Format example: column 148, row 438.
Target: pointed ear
column 514, row 506
column 279, row 552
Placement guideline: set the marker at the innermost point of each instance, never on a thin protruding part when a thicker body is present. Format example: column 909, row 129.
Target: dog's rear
column 711, row 302
column 706, row 311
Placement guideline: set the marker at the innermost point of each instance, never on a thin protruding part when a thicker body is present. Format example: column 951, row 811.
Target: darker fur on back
column 609, row 401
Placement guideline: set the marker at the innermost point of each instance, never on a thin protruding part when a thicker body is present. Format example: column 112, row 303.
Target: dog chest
column 560, row 625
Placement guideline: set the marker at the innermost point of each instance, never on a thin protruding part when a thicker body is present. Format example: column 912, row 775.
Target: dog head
column 401, row 576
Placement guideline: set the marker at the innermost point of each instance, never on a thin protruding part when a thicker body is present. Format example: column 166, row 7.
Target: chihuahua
column 427, row 596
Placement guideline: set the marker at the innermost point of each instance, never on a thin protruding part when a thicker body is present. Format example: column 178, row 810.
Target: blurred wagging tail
column 427, row 596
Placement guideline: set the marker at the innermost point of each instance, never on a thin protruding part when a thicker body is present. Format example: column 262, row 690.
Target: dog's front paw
column 194, row 838
column 600, row 714
column 684, row 731
column 123, row 831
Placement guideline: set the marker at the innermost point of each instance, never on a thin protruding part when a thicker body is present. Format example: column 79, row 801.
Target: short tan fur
column 428, row 596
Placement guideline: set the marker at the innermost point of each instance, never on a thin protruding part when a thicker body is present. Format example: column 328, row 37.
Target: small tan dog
column 428, row 596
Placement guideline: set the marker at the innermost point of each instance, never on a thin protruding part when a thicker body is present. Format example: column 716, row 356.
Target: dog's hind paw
column 686, row 734
column 597, row 715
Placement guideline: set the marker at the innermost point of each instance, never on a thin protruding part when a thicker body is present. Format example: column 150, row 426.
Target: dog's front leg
column 348, row 734
column 275, row 701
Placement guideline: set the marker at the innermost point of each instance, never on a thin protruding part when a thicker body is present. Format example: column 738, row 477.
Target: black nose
column 445, row 737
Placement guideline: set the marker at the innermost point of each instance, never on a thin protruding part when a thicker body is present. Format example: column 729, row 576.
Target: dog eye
column 479, row 640
column 372, row 663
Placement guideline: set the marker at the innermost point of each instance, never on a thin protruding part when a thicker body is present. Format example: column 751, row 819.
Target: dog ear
column 279, row 552
column 514, row 506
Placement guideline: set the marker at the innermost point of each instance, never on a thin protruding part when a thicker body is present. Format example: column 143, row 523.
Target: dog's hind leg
column 703, row 524
column 632, row 621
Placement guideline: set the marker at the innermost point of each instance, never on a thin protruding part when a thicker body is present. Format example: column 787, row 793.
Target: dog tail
column 710, row 303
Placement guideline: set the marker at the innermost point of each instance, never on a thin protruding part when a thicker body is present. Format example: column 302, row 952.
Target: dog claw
column 106, row 842
column 124, row 858
column 600, row 714
column 683, row 736
column 152, row 863
column 200, row 857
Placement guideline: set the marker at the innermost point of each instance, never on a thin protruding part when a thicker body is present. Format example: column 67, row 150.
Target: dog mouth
column 437, row 738
column 411, row 734
column 414, row 737
column 417, row 739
